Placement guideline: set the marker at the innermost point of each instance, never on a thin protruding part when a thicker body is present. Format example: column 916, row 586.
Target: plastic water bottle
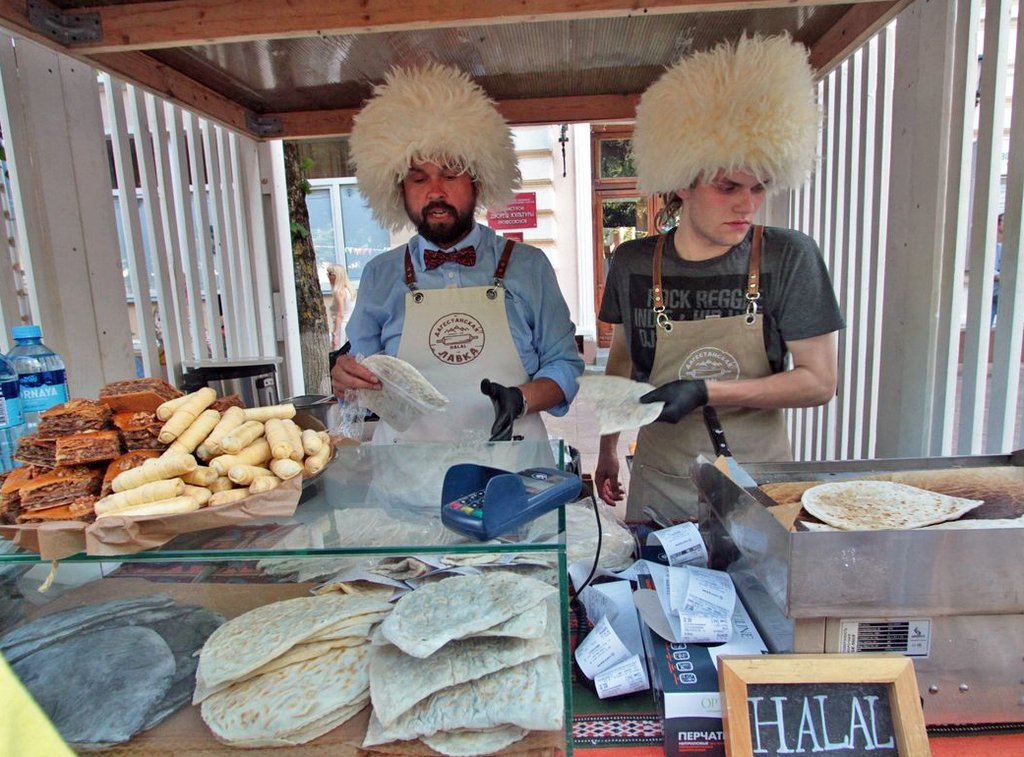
column 12, row 423
column 40, row 374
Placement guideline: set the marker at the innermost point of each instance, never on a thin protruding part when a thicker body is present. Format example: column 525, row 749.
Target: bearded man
column 480, row 316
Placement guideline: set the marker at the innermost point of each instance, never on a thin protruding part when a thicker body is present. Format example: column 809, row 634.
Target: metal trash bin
column 254, row 379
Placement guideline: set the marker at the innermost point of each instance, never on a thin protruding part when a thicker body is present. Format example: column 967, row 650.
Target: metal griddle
column 953, row 600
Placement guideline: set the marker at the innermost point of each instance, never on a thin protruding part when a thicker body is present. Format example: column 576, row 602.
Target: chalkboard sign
column 847, row 705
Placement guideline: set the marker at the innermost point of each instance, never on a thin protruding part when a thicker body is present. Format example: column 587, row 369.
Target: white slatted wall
column 14, row 305
column 844, row 208
column 978, row 401
column 200, row 233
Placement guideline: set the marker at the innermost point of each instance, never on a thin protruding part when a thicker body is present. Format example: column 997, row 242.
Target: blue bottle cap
column 26, row 332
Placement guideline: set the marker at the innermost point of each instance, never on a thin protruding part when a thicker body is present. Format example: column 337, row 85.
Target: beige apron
column 456, row 337
column 712, row 349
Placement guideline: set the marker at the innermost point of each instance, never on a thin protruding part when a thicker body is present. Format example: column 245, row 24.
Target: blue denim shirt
column 538, row 317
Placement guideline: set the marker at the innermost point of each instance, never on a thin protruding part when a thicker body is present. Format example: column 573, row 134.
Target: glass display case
column 372, row 509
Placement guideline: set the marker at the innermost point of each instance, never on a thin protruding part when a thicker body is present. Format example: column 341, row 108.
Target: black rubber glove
column 680, row 397
column 508, row 405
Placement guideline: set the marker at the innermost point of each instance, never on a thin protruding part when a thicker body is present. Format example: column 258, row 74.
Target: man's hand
column 680, row 397
column 348, row 373
column 606, row 478
column 508, row 405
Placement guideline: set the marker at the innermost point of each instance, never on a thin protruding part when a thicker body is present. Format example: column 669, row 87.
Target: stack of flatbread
column 288, row 672
column 138, row 652
column 876, row 505
column 616, row 401
column 468, row 665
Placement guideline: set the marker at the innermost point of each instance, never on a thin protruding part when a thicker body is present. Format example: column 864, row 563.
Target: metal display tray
column 864, row 573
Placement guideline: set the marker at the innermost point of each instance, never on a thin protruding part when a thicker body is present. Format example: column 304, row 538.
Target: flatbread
column 254, row 638
column 875, row 505
column 98, row 688
column 457, row 607
column 399, row 681
column 528, row 696
column 404, row 395
column 616, row 401
column 468, row 743
column 292, row 699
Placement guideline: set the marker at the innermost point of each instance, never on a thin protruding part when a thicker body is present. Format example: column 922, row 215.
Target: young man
column 481, row 317
column 710, row 311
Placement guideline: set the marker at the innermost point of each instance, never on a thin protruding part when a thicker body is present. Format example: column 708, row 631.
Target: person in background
column 342, row 301
column 481, row 317
column 713, row 311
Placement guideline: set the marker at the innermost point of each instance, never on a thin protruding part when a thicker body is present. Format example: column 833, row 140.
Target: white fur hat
column 432, row 114
column 746, row 107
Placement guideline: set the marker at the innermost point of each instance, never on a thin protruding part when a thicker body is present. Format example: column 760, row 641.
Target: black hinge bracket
column 63, row 27
column 264, row 126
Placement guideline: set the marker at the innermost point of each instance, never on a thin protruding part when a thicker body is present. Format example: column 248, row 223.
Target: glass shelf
column 372, row 499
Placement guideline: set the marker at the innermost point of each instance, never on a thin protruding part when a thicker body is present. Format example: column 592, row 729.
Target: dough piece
column 616, row 400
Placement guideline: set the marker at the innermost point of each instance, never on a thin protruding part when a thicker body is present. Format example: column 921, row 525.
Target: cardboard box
column 684, row 678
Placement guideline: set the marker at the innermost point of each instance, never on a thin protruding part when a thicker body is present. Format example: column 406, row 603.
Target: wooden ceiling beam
column 855, row 27
column 531, row 111
column 181, row 23
column 145, row 71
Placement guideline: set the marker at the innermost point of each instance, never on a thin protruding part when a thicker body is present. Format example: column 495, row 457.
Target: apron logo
column 456, row 338
column 709, row 363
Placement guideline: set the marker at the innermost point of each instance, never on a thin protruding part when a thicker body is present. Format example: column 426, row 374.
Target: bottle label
column 10, row 405
column 41, row 391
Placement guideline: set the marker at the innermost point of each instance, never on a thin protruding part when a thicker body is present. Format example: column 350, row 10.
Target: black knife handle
column 715, row 432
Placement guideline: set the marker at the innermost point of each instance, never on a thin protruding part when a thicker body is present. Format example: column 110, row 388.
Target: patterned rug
column 628, row 721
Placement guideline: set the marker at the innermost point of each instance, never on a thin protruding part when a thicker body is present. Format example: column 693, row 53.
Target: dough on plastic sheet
column 405, row 394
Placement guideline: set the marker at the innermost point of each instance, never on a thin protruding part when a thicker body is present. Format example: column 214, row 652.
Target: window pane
column 621, row 220
column 616, row 159
column 364, row 238
column 321, row 227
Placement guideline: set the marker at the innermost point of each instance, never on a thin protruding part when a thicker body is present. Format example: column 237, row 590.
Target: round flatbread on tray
column 877, row 505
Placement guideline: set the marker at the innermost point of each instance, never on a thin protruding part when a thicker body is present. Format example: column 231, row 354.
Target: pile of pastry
column 468, row 665
column 144, row 448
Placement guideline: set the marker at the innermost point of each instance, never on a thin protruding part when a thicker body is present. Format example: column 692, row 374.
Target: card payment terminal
column 484, row 502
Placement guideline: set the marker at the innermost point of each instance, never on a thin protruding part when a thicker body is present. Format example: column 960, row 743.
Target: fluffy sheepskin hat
column 746, row 107
column 431, row 114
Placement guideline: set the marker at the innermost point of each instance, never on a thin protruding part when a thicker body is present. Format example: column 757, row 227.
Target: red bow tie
column 433, row 258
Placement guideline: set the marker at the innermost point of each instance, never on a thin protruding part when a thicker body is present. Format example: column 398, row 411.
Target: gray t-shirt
column 797, row 298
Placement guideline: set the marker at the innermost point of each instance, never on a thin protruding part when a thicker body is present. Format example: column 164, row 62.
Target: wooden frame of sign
column 885, row 675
